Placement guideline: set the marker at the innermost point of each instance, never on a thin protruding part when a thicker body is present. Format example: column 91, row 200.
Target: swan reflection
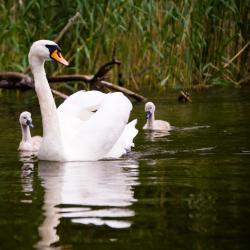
column 97, row 193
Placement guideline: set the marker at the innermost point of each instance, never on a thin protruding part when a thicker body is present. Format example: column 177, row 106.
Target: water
column 186, row 189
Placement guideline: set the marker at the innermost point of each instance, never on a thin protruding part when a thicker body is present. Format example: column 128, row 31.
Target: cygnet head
column 149, row 109
column 25, row 119
column 42, row 50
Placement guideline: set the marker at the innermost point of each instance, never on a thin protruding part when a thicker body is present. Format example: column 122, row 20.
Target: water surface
column 186, row 189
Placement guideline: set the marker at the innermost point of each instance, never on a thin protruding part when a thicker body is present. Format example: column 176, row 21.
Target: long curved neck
column 26, row 136
column 150, row 121
column 47, row 104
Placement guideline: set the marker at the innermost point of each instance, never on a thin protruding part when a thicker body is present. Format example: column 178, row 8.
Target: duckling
column 184, row 97
column 151, row 123
column 28, row 143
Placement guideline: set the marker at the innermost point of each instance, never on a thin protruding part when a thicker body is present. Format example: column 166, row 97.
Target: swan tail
column 125, row 141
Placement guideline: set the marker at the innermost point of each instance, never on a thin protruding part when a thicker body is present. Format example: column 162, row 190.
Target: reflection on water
column 28, row 159
column 194, row 184
column 192, row 128
column 156, row 135
column 27, row 179
column 98, row 193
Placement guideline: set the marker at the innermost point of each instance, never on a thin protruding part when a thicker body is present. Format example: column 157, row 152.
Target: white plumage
column 28, row 143
column 88, row 125
column 151, row 123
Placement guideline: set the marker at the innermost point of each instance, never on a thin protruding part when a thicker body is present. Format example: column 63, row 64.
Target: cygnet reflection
column 156, row 135
column 28, row 159
column 97, row 193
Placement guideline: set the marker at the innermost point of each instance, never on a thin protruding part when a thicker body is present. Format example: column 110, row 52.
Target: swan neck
column 26, row 136
column 150, row 121
column 46, row 101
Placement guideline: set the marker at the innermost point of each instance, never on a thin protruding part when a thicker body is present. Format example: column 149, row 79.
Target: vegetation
column 162, row 43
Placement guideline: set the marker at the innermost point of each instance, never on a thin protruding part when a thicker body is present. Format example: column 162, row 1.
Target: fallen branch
column 92, row 80
column 60, row 94
column 22, row 81
column 15, row 80
column 10, row 80
column 123, row 90
column 104, row 69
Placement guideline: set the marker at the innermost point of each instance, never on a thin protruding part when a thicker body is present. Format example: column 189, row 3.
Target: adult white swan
column 87, row 126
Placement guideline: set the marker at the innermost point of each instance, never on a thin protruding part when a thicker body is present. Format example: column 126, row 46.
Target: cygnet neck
column 26, row 136
column 150, row 121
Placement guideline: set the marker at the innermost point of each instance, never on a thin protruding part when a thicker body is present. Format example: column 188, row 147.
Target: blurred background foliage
column 163, row 43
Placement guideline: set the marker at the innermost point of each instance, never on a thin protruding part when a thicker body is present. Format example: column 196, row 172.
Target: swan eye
column 52, row 48
column 55, row 54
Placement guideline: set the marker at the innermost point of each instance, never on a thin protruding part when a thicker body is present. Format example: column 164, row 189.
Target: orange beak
column 57, row 56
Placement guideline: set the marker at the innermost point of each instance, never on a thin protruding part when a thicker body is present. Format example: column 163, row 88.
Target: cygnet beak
column 148, row 114
column 29, row 123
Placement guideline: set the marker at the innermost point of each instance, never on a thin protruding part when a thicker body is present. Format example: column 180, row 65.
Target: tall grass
column 161, row 43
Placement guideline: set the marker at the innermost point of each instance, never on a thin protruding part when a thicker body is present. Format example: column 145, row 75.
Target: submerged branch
column 15, row 80
column 23, row 81
column 123, row 90
column 60, row 94
column 92, row 80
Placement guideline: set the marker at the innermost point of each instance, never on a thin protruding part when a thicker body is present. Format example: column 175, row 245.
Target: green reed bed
column 160, row 43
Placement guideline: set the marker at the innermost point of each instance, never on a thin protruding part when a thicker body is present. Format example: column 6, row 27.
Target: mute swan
column 87, row 126
column 28, row 143
column 151, row 123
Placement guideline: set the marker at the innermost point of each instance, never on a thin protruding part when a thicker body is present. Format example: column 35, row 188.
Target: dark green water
column 189, row 189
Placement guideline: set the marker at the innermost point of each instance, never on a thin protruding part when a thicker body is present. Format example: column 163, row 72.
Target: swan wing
column 81, row 104
column 97, row 136
column 77, row 109
column 125, row 141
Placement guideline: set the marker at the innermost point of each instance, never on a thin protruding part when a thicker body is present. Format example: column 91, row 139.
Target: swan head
column 43, row 50
column 25, row 119
column 149, row 109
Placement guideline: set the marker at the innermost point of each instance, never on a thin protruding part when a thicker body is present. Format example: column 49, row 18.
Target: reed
column 161, row 43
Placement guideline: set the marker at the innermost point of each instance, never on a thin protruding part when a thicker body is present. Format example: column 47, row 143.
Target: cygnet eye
column 24, row 117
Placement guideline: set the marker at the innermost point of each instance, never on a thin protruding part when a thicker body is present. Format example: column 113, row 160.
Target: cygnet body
column 28, row 143
column 151, row 123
